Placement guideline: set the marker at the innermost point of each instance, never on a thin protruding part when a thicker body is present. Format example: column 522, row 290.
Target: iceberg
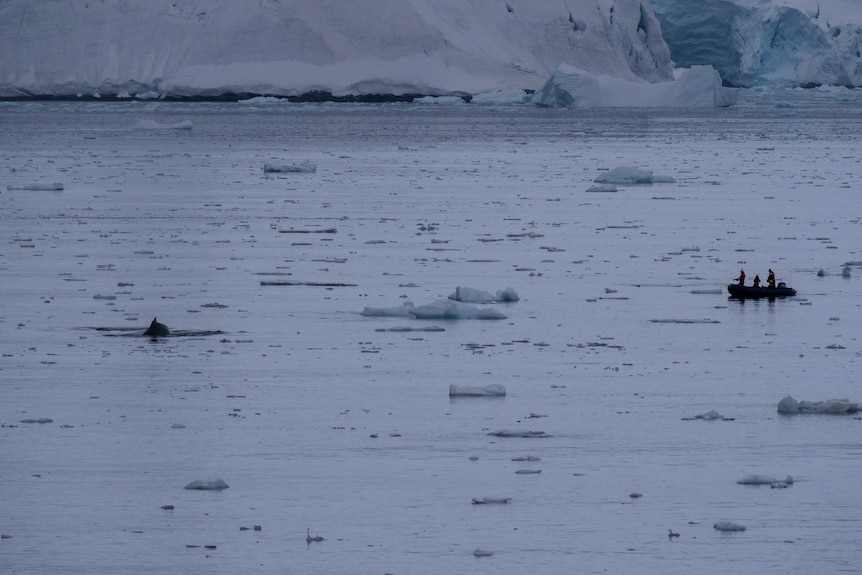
column 572, row 87
column 472, row 295
column 631, row 175
column 789, row 405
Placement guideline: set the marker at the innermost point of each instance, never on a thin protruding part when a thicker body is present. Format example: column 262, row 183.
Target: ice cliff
column 772, row 42
column 293, row 47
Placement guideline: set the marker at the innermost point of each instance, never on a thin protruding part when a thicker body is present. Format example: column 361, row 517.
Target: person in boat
column 756, row 281
column 770, row 279
column 741, row 278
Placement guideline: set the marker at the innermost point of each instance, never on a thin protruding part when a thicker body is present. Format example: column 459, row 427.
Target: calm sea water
column 325, row 422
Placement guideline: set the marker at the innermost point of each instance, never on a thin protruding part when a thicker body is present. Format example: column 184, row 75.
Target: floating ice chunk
column 764, row 480
column 482, row 553
column 526, row 458
column 845, row 273
column 528, row 471
column 708, row 416
column 488, row 500
column 517, row 433
column 445, row 309
column 472, row 295
column 300, row 168
column 207, row 485
column 403, row 310
column 153, row 125
column 728, row 526
column 632, row 175
column 695, row 87
column 492, row 390
column 52, row 187
column 789, row 405
column 602, row 188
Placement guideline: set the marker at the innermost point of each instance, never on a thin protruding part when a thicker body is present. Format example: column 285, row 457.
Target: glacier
column 318, row 48
column 767, row 42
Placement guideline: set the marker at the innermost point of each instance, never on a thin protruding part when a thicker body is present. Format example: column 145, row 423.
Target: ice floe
column 440, row 309
column 789, row 405
column 482, row 553
column 447, row 309
column 207, row 485
column 632, row 175
column 492, row 390
column 472, row 295
column 602, row 188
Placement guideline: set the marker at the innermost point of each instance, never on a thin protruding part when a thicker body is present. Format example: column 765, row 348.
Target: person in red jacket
column 770, row 279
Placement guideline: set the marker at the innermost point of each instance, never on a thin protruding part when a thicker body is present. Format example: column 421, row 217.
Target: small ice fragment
column 728, row 526
column 635, row 495
column 528, row 471
column 207, row 485
column 602, row 188
column 482, row 553
column 526, row 458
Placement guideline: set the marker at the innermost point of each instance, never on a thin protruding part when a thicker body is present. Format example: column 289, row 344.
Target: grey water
column 327, row 423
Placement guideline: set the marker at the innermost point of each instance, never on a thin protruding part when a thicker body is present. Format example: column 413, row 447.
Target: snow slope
column 292, row 47
column 775, row 42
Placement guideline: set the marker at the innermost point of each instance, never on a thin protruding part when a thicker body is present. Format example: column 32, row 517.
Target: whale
column 157, row 329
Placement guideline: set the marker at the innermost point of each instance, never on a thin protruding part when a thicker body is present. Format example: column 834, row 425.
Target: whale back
column 157, row 329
